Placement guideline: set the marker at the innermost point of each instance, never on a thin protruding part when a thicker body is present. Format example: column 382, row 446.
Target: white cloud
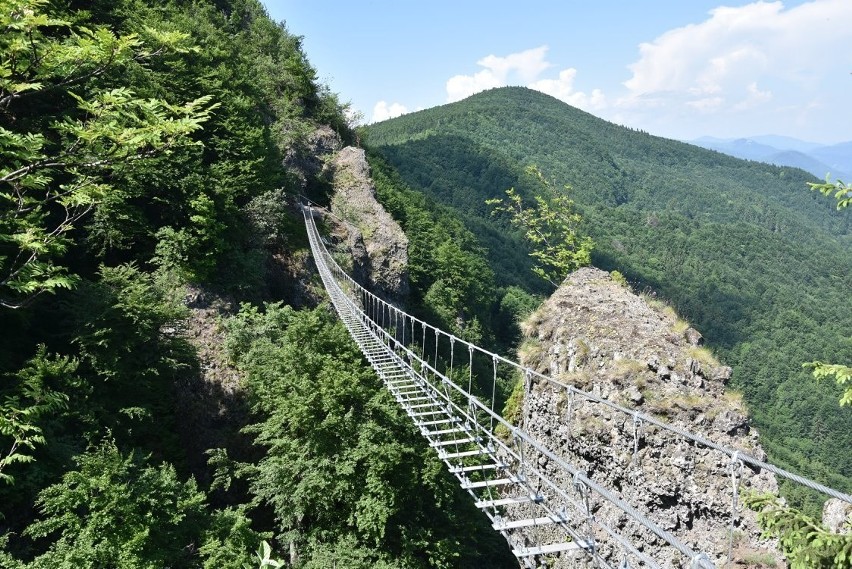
column 716, row 65
column 525, row 65
column 382, row 111
column 706, row 105
column 563, row 89
column 754, row 97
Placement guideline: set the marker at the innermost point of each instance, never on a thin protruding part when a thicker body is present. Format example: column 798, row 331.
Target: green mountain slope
column 758, row 263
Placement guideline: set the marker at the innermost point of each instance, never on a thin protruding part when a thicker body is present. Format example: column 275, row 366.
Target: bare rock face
column 377, row 244
column 598, row 336
column 308, row 159
column 837, row 516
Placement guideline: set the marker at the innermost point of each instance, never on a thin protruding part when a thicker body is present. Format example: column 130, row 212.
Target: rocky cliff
column 596, row 335
column 376, row 243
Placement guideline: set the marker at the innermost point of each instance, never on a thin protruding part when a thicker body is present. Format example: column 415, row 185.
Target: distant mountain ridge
column 817, row 159
column 757, row 262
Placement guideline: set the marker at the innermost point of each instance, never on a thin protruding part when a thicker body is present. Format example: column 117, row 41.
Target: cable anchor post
column 637, row 426
column 570, row 409
column 736, row 467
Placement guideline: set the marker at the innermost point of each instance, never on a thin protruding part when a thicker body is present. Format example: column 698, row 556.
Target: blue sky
column 675, row 68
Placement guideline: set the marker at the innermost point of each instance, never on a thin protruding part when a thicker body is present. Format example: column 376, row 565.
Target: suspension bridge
column 541, row 517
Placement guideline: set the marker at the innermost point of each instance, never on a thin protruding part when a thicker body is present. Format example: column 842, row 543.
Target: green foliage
column 805, row 542
column 21, row 411
column 109, row 185
column 124, row 311
column 619, row 278
column 551, row 227
column 55, row 173
column 118, row 511
column 264, row 557
column 127, row 333
column 842, row 192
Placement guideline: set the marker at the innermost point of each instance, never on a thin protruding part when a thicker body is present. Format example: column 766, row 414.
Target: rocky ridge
column 598, row 336
column 374, row 240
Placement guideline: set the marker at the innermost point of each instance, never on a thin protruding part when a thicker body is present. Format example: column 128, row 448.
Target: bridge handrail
column 697, row 560
column 733, row 453
column 384, row 318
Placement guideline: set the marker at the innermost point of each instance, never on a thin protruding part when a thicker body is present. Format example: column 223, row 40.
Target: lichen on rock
column 375, row 241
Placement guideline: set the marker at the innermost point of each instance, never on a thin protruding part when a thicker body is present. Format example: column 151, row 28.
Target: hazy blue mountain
column 745, row 148
column 804, row 161
column 812, row 157
column 786, row 142
column 838, row 157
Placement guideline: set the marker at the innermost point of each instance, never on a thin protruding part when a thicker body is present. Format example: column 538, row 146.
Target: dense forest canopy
column 758, row 263
column 149, row 160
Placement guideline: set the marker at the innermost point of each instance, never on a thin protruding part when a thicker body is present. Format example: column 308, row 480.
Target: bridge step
column 529, row 522
column 433, row 403
column 428, row 433
column 475, row 468
column 376, row 352
column 488, row 483
column 425, row 413
column 546, row 549
column 454, row 442
column 451, row 455
column 483, row 504
column 404, row 393
column 380, row 352
column 437, row 422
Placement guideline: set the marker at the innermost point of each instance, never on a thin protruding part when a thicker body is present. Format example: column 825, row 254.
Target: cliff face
column 377, row 244
column 598, row 336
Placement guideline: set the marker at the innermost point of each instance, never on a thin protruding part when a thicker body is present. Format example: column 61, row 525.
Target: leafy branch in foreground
column 842, row 192
column 551, row 227
column 20, row 413
column 805, row 541
column 841, row 373
column 54, row 174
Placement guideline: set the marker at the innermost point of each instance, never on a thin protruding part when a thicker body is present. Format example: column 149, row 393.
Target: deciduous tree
column 550, row 226
column 54, row 171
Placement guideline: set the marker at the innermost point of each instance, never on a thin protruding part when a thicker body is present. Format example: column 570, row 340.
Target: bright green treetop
column 551, row 227
column 54, row 173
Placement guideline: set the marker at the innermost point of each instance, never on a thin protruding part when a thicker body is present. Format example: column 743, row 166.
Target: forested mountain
column 757, row 262
column 173, row 390
column 150, row 158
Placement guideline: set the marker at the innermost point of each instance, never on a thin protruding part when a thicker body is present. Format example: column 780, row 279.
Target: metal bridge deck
column 495, row 462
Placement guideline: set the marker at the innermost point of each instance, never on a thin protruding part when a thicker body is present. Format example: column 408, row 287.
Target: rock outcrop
column 375, row 241
column 309, row 159
column 598, row 336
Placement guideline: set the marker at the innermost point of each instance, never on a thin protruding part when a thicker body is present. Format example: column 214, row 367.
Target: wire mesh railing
column 434, row 364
